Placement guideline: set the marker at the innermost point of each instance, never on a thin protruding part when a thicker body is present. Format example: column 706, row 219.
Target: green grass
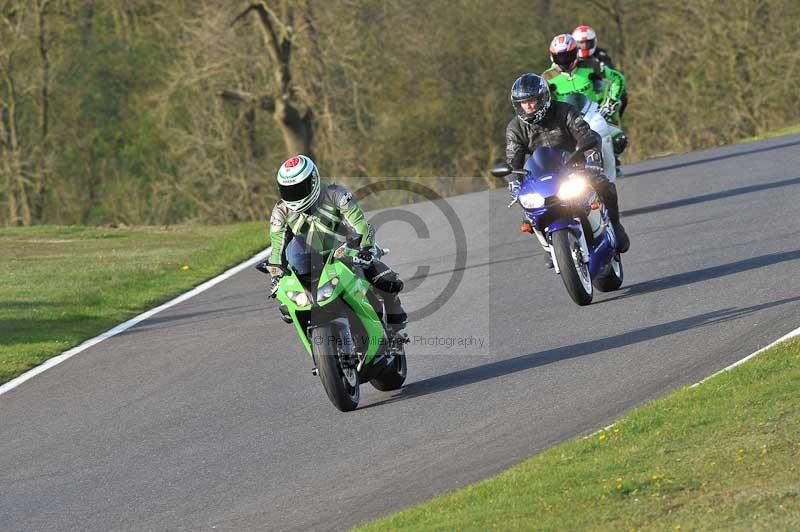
column 62, row 285
column 777, row 133
column 722, row 456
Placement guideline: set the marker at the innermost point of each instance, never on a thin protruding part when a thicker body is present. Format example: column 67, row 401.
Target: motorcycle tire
column 578, row 284
column 327, row 344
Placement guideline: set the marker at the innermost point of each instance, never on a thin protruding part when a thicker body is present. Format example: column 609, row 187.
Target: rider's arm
column 617, row 80
column 277, row 234
column 516, row 147
column 353, row 215
column 581, row 132
column 602, row 56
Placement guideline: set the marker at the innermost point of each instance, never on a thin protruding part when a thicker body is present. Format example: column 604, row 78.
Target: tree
column 282, row 99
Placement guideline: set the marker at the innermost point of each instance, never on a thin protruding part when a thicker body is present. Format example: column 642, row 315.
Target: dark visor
column 298, row 191
column 565, row 58
column 586, row 45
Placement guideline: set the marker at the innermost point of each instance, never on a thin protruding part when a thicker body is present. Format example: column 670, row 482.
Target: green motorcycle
column 340, row 319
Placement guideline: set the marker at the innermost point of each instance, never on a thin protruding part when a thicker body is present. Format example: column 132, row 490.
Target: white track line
column 792, row 334
column 66, row 355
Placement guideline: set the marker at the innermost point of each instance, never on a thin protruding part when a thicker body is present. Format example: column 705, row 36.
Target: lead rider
column 542, row 122
column 322, row 214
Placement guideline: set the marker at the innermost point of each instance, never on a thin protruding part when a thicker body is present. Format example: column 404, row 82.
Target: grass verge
column 722, row 456
column 777, row 133
column 62, row 285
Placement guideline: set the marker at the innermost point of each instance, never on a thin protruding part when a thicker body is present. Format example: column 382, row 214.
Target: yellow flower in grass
column 602, row 436
column 185, row 267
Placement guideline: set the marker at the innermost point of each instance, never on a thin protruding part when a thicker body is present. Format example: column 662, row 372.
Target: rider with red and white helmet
column 586, row 39
column 324, row 215
column 564, row 52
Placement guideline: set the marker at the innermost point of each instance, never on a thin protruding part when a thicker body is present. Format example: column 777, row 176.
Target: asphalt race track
column 207, row 416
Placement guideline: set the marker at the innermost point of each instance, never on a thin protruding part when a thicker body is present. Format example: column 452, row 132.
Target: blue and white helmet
column 298, row 183
column 530, row 88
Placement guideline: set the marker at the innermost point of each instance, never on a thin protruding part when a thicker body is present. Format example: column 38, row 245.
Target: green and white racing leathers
column 325, row 226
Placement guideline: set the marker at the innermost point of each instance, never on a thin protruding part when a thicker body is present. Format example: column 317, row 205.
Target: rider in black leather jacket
column 540, row 121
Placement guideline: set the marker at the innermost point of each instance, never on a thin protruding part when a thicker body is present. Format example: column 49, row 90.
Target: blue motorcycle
column 567, row 216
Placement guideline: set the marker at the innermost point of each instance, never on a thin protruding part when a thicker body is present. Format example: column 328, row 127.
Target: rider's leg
column 388, row 285
column 623, row 102
column 608, row 193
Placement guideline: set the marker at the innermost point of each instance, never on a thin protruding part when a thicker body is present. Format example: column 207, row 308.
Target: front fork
column 577, row 230
column 340, row 334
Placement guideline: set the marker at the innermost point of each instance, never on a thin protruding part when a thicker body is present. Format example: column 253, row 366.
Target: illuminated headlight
column 300, row 298
column 531, row 200
column 327, row 289
column 572, row 188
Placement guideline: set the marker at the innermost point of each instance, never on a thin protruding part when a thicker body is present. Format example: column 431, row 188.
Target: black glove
column 364, row 257
column 594, row 161
column 608, row 109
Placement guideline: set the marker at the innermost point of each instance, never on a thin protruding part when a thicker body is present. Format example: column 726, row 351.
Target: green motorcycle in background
column 340, row 320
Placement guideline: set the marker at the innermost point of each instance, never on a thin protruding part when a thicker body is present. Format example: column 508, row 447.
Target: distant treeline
column 164, row 111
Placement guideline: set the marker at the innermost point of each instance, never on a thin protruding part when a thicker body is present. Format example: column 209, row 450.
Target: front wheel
column 339, row 380
column 574, row 272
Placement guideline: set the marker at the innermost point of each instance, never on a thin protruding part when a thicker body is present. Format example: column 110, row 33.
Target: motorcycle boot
column 388, row 284
column 623, row 242
column 608, row 193
column 396, row 317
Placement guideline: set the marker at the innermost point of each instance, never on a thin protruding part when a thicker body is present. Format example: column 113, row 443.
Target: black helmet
column 530, row 87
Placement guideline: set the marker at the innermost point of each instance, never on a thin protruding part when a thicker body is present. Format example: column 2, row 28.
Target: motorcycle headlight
column 300, row 298
column 531, row 200
column 326, row 290
column 572, row 188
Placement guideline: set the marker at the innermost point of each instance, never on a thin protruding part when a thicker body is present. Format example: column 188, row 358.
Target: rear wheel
column 613, row 279
column 574, row 272
column 393, row 376
column 339, row 379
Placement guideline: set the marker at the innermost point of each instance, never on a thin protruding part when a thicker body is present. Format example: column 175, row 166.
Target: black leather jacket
column 562, row 127
column 602, row 56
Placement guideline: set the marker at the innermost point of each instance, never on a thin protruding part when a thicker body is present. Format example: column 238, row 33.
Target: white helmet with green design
column 298, row 183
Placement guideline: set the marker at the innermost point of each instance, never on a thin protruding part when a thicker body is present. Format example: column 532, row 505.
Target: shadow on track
column 500, row 368
column 163, row 322
column 697, row 276
column 712, row 159
column 710, row 197
column 471, row 266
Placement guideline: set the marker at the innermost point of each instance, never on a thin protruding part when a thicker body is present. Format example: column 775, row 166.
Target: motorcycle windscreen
column 304, row 260
column 545, row 161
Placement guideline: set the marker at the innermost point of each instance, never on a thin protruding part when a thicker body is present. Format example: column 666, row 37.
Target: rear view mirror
column 271, row 269
column 502, row 170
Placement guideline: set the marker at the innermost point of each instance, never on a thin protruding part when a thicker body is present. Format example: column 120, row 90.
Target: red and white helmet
column 298, row 183
column 564, row 52
column 586, row 39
